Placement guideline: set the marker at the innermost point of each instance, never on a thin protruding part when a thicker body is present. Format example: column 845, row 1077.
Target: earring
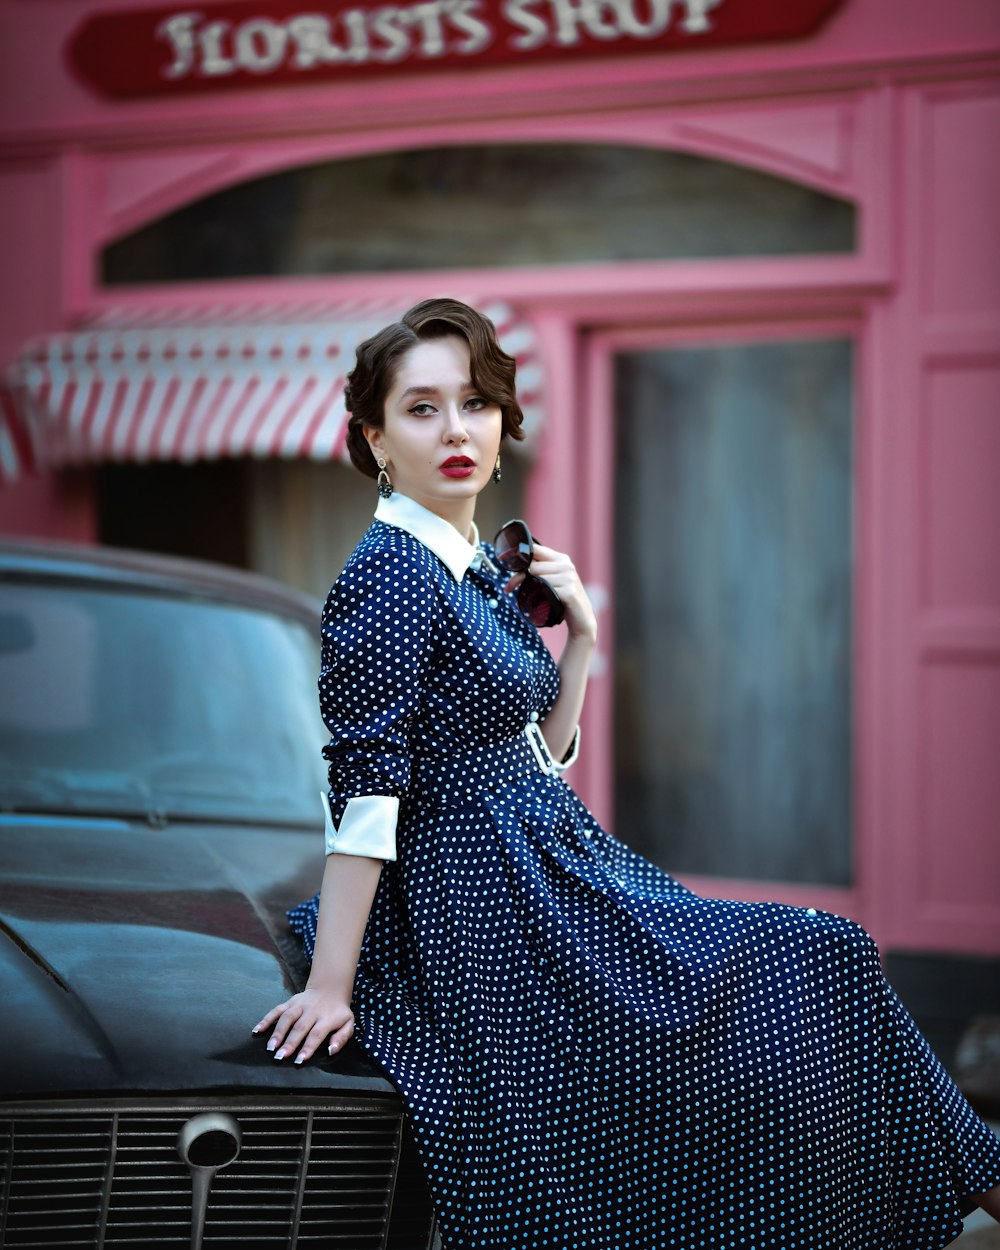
column 497, row 475
column 384, row 481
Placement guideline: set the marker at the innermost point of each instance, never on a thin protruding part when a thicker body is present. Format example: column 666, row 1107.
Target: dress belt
column 452, row 775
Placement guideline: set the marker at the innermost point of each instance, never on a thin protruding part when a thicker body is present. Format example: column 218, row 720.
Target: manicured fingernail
column 255, row 1030
column 271, row 1044
column 280, row 1054
column 299, row 1059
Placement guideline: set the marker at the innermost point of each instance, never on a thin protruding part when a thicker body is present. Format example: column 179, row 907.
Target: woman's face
column 440, row 437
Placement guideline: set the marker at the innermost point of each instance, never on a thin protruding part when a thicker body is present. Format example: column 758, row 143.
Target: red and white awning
column 202, row 386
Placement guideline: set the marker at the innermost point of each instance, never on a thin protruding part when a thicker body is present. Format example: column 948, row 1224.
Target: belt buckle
column 536, row 740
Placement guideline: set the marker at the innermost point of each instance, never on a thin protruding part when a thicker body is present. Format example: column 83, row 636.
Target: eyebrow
column 431, row 390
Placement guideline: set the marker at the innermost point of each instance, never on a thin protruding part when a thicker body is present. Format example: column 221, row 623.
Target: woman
column 591, row 1056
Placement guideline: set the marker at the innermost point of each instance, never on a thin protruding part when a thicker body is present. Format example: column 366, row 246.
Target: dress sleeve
column 377, row 647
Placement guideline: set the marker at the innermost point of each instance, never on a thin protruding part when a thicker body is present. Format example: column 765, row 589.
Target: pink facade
column 891, row 104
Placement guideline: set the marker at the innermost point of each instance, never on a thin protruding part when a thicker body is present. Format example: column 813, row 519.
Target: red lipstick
column 458, row 466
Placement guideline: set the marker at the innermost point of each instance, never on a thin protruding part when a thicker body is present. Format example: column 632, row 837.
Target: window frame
column 592, row 524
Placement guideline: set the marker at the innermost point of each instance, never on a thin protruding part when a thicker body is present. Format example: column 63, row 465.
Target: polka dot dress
column 591, row 1055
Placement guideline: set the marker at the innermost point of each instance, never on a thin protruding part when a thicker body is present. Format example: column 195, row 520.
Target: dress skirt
column 593, row 1057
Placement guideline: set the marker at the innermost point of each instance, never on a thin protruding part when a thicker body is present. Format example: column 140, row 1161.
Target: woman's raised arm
column 559, row 571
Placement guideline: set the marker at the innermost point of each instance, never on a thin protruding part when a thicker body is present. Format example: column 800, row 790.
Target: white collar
column 433, row 531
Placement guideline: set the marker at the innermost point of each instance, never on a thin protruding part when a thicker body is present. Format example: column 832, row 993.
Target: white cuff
column 560, row 766
column 367, row 827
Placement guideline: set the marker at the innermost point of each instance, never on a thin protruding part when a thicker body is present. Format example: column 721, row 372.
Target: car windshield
column 121, row 702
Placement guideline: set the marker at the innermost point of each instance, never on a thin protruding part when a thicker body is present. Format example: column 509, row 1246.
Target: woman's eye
column 475, row 403
column 421, row 410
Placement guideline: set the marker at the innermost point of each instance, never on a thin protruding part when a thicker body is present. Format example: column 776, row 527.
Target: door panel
column 733, row 608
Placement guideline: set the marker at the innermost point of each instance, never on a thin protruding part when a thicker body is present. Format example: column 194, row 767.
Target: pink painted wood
column 894, row 105
column 45, row 104
column 940, row 879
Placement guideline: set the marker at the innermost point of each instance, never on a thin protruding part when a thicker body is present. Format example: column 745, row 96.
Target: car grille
column 308, row 1173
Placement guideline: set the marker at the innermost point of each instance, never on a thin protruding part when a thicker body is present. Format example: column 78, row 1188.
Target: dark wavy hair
column 368, row 383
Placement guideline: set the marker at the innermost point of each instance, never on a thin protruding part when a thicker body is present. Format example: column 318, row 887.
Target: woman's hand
column 560, row 572
column 305, row 1022
column 561, row 725
column 322, row 1014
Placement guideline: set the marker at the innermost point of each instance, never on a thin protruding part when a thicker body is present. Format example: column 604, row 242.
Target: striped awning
column 202, row 385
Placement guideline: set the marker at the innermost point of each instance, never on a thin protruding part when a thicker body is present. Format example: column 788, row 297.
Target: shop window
column 474, row 207
column 294, row 520
column 306, row 517
column 197, row 509
column 733, row 594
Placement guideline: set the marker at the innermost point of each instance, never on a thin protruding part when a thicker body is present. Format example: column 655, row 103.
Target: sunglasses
column 515, row 549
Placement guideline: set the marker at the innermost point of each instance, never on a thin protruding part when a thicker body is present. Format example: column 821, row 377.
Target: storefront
column 747, row 257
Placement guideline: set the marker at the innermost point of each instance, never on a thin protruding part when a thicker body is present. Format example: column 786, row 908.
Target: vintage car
column 159, row 809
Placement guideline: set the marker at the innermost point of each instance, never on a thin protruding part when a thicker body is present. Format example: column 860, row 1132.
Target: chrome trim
column 107, row 1172
column 196, row 1151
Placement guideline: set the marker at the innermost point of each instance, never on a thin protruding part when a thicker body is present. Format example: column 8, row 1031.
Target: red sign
column 248, row 43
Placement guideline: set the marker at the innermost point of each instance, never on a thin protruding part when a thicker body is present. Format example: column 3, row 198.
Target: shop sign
column 167, row 51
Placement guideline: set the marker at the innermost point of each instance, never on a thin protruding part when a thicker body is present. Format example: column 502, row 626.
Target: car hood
column 138, row 959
